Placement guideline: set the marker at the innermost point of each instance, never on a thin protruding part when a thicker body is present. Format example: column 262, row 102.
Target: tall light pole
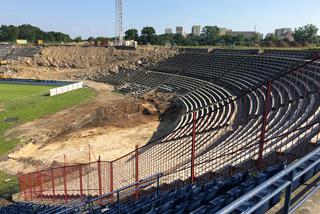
column 119, row 24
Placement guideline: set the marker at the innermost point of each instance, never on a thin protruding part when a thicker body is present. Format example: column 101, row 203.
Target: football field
column 21, row 103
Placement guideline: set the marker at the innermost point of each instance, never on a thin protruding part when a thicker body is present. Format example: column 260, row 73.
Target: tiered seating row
column 5, row 50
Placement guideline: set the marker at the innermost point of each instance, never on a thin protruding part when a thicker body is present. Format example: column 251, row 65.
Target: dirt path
column 112, row 124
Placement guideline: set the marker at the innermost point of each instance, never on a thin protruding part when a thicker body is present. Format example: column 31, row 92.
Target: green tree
column 8, row 33
column 306, row 34
column 271, row 38
column 78, row 39
column 210, row 35
column 227, row 40
column 179, row 39
column 164, row 39
column 29, row 32
column 148, row 35
column 239, row 39
column 90, row 39
column 131, row 34
column 102, row 40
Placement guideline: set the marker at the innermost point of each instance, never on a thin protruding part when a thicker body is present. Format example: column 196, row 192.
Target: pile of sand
column 111, row 123
column 76, row 62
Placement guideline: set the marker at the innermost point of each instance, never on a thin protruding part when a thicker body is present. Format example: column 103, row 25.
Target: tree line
column 10, row 33
column 211, row 35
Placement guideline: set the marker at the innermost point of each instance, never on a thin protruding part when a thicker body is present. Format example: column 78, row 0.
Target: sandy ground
column 108, row 142
column 75, row 62
column 112, row 124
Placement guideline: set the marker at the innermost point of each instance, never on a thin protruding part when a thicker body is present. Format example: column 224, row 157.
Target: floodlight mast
column 119, row 24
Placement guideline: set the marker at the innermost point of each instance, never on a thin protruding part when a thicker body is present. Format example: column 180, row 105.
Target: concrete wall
column 66, row 88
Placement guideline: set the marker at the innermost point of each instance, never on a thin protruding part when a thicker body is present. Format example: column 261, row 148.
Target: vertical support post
column 287, row 202
column 193, row 147
column 99, row 177
column 111, row 176
column 39, row 182
column 52, row 183
column 111, row 180
column 158, row 185
column 118, row 202
column 244, row 108
column 24, row 184
column 65, row 181
column 264, row 124
column 26, row 187
column 80, row 178
column 89, row 153
column 31, row 185
column 20, row 185
column 137, row 170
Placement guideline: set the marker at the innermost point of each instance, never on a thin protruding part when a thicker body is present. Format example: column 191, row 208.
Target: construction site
column 158, row 129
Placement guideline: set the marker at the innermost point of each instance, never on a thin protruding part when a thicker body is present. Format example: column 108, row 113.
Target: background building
column 284, row 33
column 179, row 30
column 168, row 31
column 245, row 34
column 269, row 35
column 196, row 30
column 281, row 31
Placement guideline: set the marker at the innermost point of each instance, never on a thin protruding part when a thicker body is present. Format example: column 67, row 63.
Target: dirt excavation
column 106, row 123
column 112, row 124
column 77, row 62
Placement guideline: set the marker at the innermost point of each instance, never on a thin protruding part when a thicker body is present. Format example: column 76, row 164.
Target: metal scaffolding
column 118, row 24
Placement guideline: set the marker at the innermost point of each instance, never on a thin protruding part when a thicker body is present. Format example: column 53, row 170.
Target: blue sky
column 96, row 17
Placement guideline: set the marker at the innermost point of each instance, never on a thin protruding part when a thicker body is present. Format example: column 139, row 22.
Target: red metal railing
column 262, row 124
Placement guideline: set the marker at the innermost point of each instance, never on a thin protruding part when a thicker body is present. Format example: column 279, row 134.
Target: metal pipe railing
column 286, row 171
column 118, row 191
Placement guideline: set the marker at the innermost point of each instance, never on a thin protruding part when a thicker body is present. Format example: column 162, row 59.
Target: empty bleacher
column 15, row 52
column 22, row 52
column 224, row 98
column 5, row 50
column 298, row 54
column 235, row 51
column 28, row 208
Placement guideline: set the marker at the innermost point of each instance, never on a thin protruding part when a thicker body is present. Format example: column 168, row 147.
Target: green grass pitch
column 27, row 103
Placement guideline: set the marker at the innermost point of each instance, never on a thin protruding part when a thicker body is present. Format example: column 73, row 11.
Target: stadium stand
column 21, row 52
column 240, row 112
column 290, row 54
column 235, row 51
column 15, row 52
column 28, row 207
column 248, row 188
column 5, row 50
column 195, row 50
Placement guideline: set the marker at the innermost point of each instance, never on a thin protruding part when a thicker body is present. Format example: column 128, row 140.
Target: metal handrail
column 290, row 169
column 117, row 192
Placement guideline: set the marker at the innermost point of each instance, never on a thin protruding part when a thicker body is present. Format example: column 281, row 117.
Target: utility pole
column 119, row 24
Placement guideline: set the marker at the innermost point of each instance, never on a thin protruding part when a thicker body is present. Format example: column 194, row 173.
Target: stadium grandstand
column 247, row 137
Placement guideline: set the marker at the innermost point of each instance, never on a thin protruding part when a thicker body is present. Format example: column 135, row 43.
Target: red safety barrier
column 99, row 177
column 264, row 124
column 228, row 135
column 193, row 146
column 137, row 170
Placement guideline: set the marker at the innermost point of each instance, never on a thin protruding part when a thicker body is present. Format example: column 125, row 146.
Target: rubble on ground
column 92, row 63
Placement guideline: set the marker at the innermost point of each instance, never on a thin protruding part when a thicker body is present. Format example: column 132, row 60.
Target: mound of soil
column 76, row 62
column 111, row 123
